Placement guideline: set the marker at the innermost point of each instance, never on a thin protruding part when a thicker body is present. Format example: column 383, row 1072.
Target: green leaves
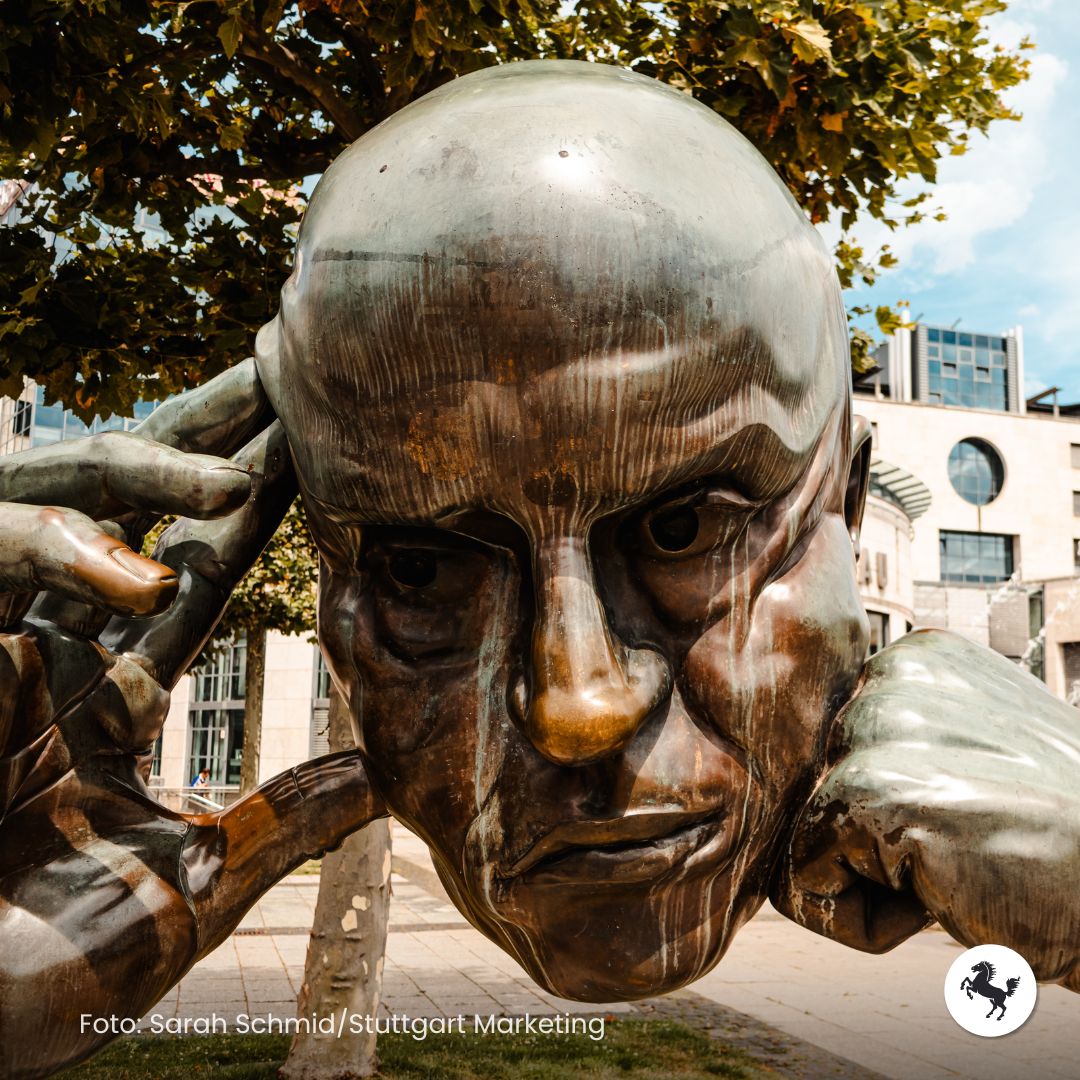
column 114, row 109
column 809, row 40
column 279, row 592
column 229, row 34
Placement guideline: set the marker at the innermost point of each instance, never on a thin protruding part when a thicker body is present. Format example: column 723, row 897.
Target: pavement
column 806, row 1007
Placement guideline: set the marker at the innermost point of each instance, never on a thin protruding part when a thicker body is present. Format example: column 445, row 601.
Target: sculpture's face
column 588, row 581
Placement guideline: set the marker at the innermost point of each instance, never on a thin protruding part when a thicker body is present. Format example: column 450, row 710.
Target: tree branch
column 256, row 46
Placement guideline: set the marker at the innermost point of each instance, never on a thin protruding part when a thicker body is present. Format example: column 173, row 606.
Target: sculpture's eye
column 684, row 550
column 675, row 530
column 430, row 589
column 414, row 568
column 693, row 524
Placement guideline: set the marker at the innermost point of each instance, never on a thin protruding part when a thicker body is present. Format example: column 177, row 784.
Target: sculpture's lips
column 636, row 847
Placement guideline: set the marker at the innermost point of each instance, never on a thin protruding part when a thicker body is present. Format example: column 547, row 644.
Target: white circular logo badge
column 990, row 990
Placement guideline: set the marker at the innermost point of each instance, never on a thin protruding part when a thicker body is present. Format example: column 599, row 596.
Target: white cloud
column 990, row 187
column 1055, row 266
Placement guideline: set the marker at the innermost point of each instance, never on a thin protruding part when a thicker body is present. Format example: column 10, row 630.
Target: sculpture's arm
column 106, row 897
column 955, row 796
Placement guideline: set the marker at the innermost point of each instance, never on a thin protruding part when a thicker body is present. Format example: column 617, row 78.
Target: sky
column 1009, row 253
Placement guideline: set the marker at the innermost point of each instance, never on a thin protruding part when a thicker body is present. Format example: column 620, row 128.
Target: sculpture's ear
column 268, row 358
column 858, row 478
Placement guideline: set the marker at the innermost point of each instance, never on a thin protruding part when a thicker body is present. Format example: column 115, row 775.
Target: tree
column 344, row 964
column 123, row 113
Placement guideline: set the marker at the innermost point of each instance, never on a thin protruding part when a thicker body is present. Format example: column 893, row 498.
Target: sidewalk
column 807, row 1007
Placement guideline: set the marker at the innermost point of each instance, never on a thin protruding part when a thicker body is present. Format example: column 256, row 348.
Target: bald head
column 551, row 221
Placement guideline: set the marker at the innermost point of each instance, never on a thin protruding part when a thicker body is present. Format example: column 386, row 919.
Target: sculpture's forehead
column 414, row 386
column 414, row 436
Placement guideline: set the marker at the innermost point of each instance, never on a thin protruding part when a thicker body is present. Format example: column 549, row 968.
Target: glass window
column 1074, row 455
column 217, row 713
column 322, row 677
column 222, row 677
column 976, row 471
column 1076, row 503
column 879, row 631
column 217, row 737
column 20, row 422
column 975, row 366
column 975, row 558
column 1076, row 556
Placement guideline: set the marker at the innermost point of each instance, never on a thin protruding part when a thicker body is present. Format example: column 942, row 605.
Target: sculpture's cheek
column 774, row 687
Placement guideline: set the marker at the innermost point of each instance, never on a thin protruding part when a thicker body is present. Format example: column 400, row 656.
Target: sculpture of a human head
column 564, row 370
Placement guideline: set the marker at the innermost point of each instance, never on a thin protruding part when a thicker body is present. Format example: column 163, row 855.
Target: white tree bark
column 344, row 963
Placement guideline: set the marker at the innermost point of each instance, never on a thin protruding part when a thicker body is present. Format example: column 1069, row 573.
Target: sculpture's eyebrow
column 734, row 465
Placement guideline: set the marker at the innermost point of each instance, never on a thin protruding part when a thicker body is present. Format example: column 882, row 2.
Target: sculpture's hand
column 955, row 797
column 106, row 897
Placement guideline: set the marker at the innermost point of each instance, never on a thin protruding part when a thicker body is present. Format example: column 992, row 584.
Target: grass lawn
column 630, row 1050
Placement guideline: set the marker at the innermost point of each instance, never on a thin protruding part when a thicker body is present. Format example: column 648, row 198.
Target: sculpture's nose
column 589, row 693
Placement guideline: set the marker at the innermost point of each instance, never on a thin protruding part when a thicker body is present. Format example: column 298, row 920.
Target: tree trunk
column 253, row 709
column 344, row 964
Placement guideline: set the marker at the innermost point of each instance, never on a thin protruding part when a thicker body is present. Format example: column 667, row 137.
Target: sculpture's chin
column 621, row 945
column 647, row 978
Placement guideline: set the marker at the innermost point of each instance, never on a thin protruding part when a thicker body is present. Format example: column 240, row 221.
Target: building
column 996, row 551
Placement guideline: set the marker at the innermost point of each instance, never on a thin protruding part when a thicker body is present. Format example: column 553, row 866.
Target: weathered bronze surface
column 106, row 897
column 563, row 370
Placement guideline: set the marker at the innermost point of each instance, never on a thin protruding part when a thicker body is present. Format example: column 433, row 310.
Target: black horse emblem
column 982, row 984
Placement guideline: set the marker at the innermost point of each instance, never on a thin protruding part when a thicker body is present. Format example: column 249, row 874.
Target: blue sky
column 1009, row 252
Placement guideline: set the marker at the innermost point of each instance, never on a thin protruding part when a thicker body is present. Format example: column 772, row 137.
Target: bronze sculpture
column 563, row 375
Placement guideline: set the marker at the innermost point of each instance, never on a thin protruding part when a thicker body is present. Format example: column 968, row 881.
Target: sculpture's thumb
column 233, row 856
column 839, row 878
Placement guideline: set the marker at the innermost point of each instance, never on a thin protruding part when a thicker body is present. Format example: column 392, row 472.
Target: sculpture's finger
column 117, row 471
column 217, row 418
column 65, row 552
column 209, row 558
column 13, row 607
column 843, row 879
column 232, row 857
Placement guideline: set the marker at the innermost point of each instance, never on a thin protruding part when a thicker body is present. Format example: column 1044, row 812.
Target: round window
column 976, row 471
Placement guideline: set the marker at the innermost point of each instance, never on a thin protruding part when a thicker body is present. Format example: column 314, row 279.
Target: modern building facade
column 996, row 551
